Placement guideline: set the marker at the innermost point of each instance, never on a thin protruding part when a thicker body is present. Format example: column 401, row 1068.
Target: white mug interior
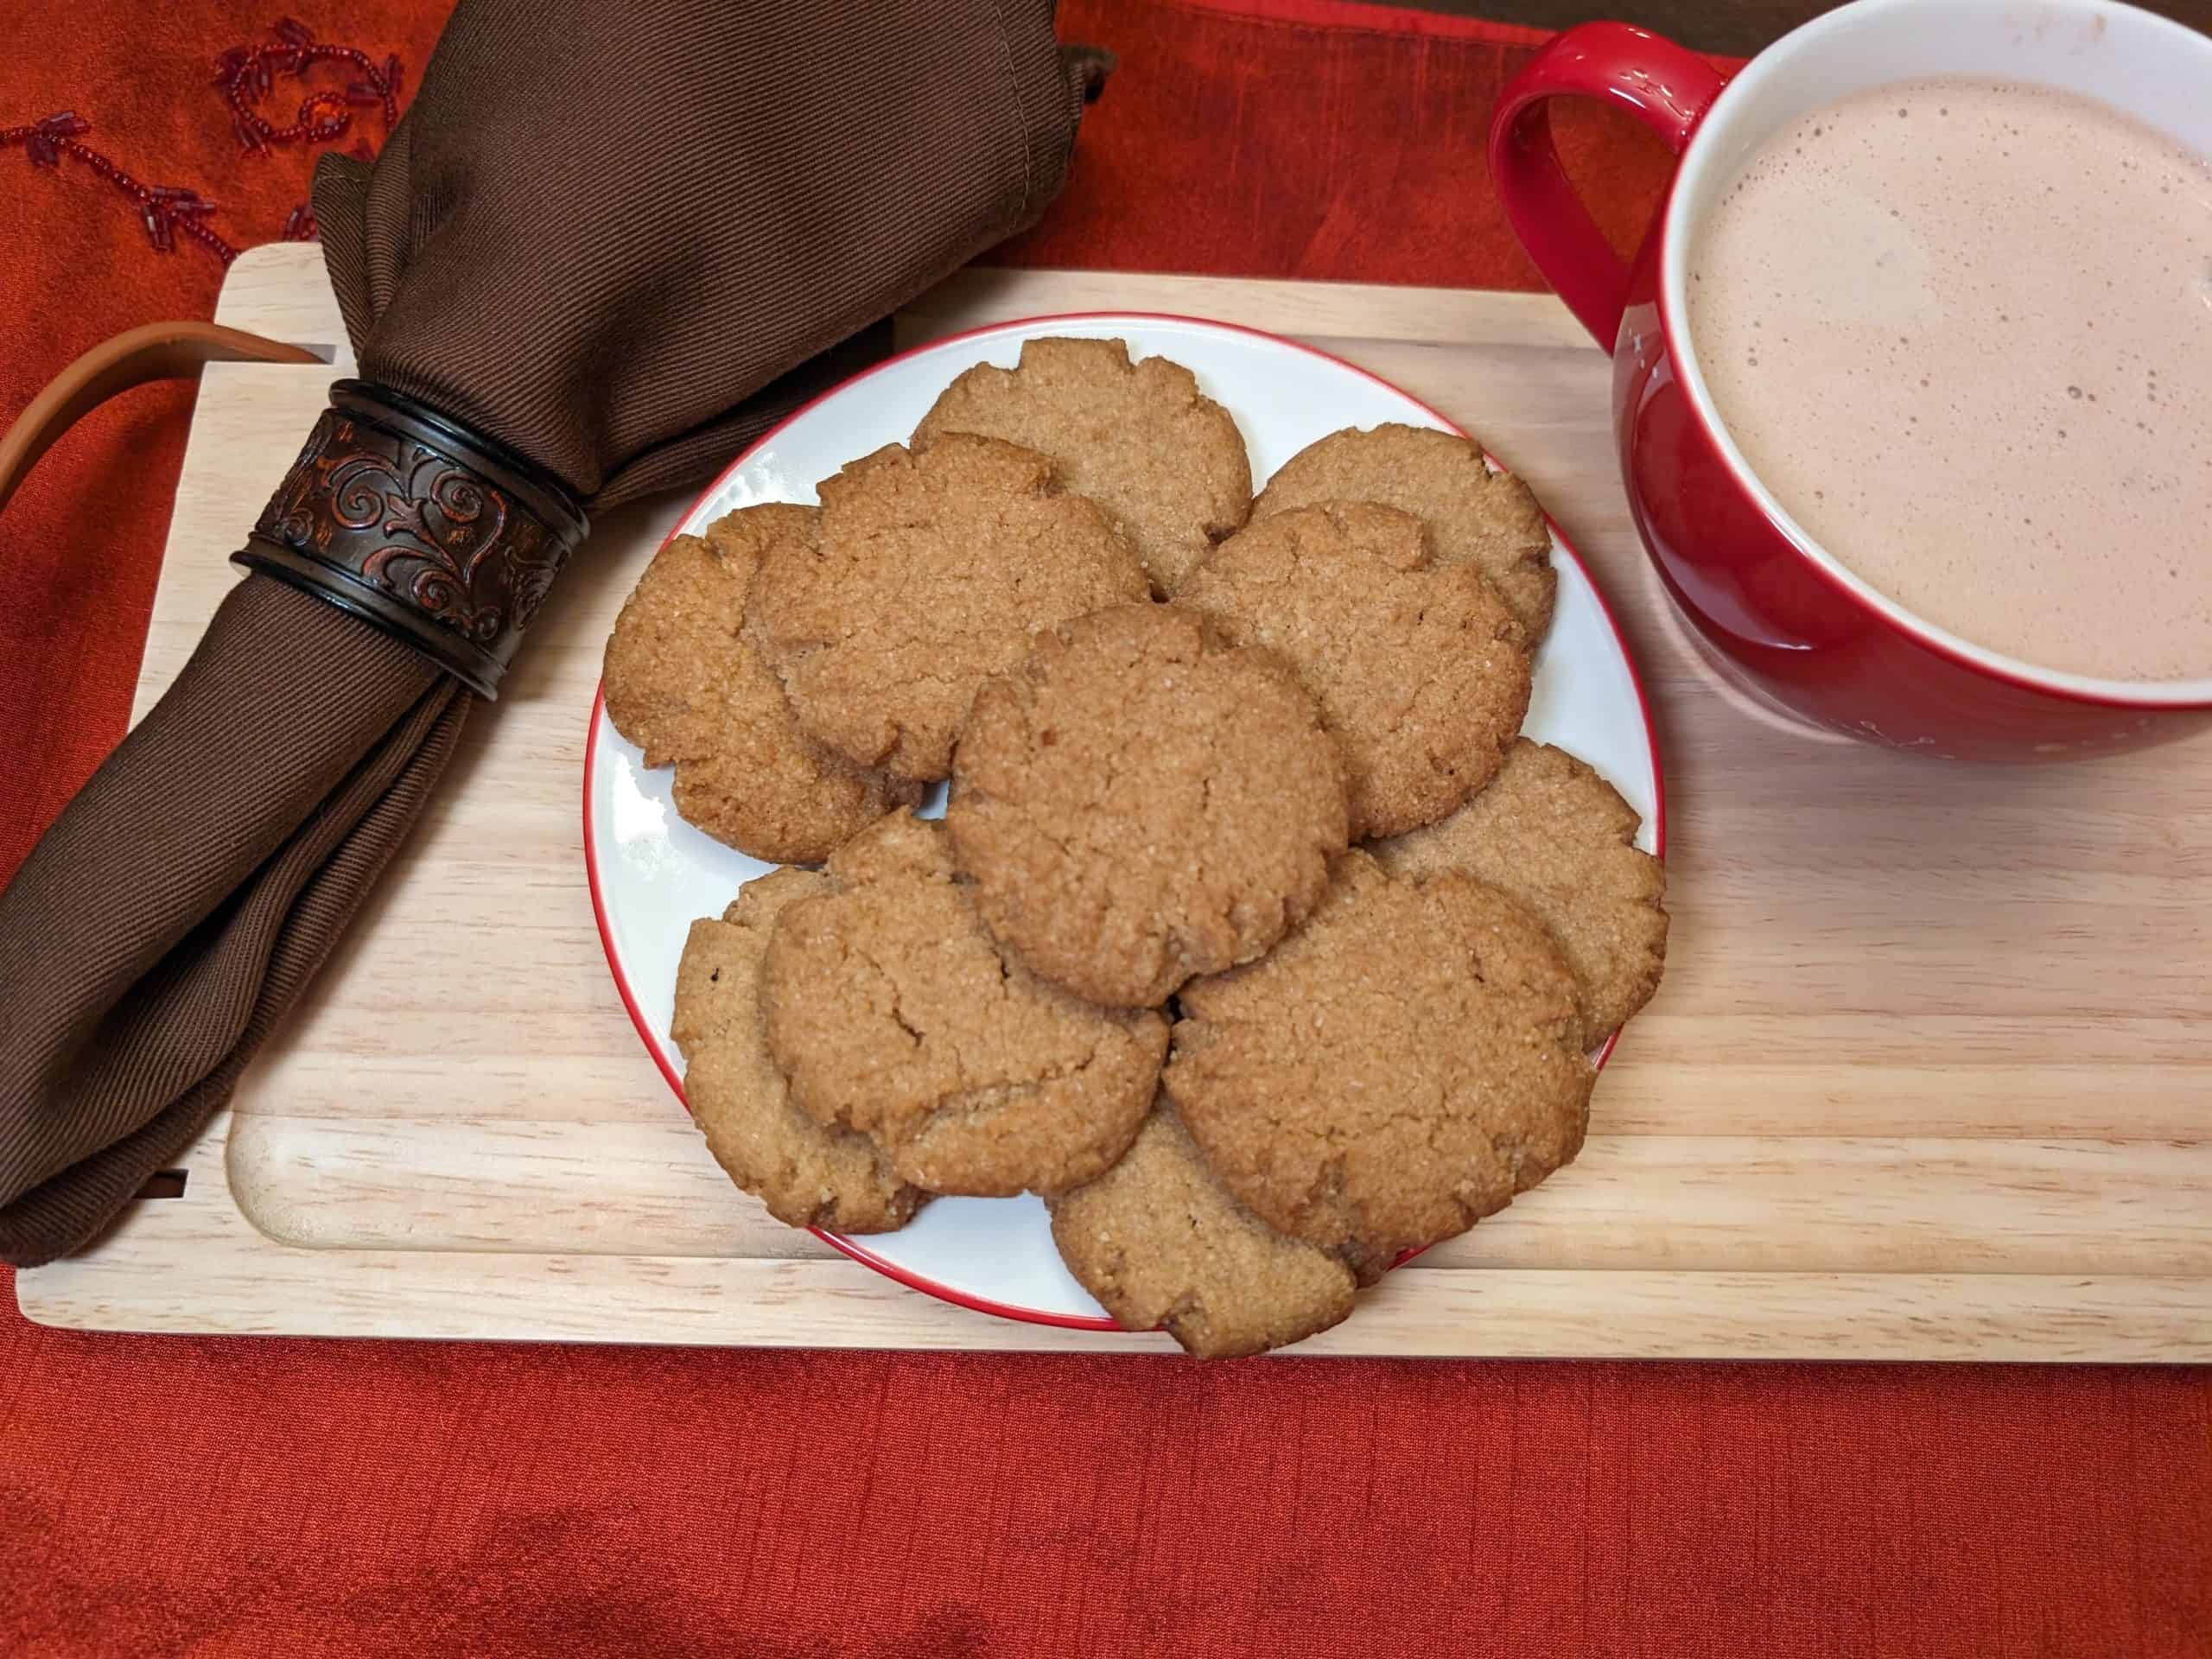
column 2154, row 69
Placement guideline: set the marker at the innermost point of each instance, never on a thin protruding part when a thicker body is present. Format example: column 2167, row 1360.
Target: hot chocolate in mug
column 1776, row 606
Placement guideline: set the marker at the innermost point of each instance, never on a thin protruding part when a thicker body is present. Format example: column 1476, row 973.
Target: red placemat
column 225, row 1497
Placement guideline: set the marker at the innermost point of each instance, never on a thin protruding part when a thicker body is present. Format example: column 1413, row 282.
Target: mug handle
column 1666, row 86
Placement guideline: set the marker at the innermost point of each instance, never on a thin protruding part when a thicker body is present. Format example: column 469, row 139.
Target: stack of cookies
column 1254, row 936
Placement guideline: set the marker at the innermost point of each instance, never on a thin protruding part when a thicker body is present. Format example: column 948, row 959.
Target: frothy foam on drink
column 1962, row 331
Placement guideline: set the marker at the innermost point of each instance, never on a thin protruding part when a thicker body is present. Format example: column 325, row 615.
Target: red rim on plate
column 853, row 1247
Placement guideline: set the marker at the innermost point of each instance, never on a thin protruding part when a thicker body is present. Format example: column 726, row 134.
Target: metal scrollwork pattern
column 444, row 541
column 381, row 517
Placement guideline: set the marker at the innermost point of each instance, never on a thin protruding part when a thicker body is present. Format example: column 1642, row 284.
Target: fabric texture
column 738, row 190
column 163, row 1497
column 328, row 737
column 552, row 268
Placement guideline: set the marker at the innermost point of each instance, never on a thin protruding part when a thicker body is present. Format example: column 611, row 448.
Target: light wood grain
column 182, row 1266
column 1930, row 1076
column 1796, row 1203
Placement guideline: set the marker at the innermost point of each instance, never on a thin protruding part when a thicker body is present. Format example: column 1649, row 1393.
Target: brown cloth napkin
column 619, row 240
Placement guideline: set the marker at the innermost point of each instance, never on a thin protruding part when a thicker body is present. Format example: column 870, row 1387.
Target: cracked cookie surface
column 685, row 682
column 927, row 573
column 892, row 1011
column 1421, row 672
column 1395, row 1069
column 1140, row 439
column 1141, row 801
column 1560, row 838
column 1475, row 516
column 807, row 1175
column 1160, row 1243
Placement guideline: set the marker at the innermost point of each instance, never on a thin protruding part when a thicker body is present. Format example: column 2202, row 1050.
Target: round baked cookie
column 927, row 573
column 685, row 684
column 1395, row 1069
column 807, row 1175
column 1559, row 838
column 1421, row 672
column 1139, row 439
column 1476, row 516
column 1141, row 801
column 892, row 1013
column 1160, row 1243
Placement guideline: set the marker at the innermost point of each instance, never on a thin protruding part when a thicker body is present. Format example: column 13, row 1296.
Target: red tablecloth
column 222, row 1496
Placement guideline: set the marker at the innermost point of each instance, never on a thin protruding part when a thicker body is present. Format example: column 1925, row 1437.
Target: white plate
column 651, row 873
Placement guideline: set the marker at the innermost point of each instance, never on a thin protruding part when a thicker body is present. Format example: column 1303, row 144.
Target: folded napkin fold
column 610, row 244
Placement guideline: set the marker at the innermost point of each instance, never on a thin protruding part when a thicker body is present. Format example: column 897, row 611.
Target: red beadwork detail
column 167, row 211
column 247, row 75
column 44, row 139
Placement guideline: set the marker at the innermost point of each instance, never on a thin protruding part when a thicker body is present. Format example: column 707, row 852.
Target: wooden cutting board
column 1930, row 1077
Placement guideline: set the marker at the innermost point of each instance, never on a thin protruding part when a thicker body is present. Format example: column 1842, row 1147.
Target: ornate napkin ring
column 441, row 538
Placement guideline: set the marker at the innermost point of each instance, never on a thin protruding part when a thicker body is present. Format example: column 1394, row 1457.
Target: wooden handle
column 159, row 350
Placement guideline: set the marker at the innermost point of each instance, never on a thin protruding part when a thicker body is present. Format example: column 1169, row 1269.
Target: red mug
column 1775, row 608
